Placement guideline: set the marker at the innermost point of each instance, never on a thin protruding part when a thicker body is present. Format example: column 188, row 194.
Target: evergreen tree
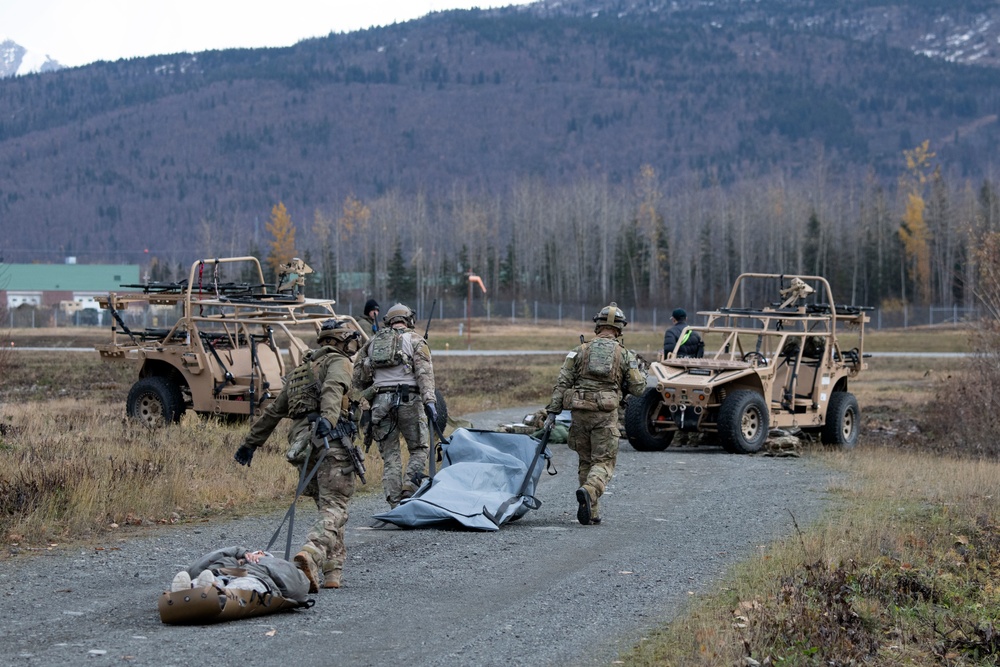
column 402, row 281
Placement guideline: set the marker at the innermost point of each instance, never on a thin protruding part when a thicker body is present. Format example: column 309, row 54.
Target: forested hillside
column 641, row 151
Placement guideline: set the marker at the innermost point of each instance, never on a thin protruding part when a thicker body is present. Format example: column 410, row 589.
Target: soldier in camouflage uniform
column 591, row 383
column 394, row 369
column 315, row 397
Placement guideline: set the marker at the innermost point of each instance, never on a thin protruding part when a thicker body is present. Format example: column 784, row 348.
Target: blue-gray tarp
column 478, row 484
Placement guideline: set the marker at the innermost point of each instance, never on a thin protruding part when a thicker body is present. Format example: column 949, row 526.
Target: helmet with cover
column 610, row 316
column 398, row 313
column 339, row 333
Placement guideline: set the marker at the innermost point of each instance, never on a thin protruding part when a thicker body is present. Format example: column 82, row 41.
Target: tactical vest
column 386, row 349
column 303, row 387
column 601, row 361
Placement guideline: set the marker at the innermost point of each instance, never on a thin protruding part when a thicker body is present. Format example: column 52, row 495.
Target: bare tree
column 5, row 333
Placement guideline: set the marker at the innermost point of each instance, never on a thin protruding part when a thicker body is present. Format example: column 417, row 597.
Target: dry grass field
column 71, row 465
column 903, row 571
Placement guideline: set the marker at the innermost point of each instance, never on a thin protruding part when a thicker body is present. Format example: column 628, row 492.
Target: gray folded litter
column 484, row 482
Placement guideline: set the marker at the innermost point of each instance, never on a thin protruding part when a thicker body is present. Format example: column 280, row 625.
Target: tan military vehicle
column 231, row 339
column 764, row 364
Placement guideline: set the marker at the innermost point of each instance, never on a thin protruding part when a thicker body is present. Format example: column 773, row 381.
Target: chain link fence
column 656, row 319
column 502, row 311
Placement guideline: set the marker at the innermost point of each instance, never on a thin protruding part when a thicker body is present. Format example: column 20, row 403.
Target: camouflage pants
column 594, row 437
column 388, row 423
column 331, row 488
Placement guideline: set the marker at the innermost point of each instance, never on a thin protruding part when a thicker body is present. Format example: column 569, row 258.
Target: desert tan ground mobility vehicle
column 766, row 364
column 231, row 340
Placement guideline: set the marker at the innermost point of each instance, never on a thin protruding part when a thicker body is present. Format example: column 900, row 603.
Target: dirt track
column 541, row 591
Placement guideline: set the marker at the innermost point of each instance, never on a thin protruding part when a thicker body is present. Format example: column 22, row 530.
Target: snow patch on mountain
column 16, row 60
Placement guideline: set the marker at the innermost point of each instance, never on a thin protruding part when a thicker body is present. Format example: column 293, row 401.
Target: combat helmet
column 339, row 334
column 398, row 313
column 610, row 316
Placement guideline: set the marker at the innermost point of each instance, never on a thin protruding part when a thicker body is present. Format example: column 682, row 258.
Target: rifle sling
column 304, row 480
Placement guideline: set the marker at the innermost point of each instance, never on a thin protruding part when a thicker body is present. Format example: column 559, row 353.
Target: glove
column 550, row 420
column 323, row 428
column 432, row 412
column 243, row 455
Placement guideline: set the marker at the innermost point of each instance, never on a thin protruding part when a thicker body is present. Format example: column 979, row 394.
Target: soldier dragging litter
column 315, row 398
column 591, row 383
column 394, row 369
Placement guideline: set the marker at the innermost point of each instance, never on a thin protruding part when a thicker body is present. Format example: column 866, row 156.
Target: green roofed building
column 51, row 285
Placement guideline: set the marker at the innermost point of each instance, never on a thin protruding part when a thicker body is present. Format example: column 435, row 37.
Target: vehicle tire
column 442, row 409
column 843, row 421
column 743, row 422
column 638, row 421
column 155, row 401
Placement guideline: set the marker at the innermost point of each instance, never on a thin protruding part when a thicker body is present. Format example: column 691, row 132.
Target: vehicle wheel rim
column 749, row 424
column 150, row 410
column 848, row 424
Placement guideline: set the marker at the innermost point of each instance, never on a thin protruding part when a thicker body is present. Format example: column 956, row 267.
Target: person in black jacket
column 369, row 321
column 691, row 345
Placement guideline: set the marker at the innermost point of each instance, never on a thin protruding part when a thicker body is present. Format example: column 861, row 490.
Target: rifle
column 226, row 375
column 121, row 322
column 345, row 431
column 430, row 317
column 366, row 424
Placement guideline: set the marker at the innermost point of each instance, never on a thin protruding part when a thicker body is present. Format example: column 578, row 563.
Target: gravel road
column 542, row 591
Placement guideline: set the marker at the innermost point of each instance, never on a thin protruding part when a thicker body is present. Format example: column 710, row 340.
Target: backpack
column 386, row 349
column 601, row 360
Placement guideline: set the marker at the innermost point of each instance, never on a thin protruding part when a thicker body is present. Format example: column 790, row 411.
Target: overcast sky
column 77, row 32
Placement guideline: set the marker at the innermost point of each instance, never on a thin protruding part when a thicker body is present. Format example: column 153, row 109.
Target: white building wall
column 15, row 299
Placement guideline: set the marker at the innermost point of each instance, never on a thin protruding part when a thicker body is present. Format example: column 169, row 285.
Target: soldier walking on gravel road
column 394, row 368
column 315, row 398
column 591, row 383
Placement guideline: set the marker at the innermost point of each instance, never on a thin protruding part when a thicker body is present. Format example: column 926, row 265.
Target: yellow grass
column 71, row 465
column 501, row 334
column 75, row 469
column 924, row 521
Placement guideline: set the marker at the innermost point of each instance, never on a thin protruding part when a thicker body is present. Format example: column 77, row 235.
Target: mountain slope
column 116, row 157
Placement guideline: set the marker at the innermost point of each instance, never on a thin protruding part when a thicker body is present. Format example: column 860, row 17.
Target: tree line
column 649, row 242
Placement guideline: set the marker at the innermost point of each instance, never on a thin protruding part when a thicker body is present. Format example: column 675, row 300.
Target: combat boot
column 583, row 511
column 304, row 561
column 331, row 575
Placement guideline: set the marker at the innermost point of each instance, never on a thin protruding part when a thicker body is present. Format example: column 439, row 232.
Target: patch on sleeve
column 571, row 355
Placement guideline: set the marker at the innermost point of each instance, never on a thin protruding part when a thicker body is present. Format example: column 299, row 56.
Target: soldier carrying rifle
column 395, row 370
column 316, row 397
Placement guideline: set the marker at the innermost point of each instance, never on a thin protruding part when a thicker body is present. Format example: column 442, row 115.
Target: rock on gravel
column 541, row 591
